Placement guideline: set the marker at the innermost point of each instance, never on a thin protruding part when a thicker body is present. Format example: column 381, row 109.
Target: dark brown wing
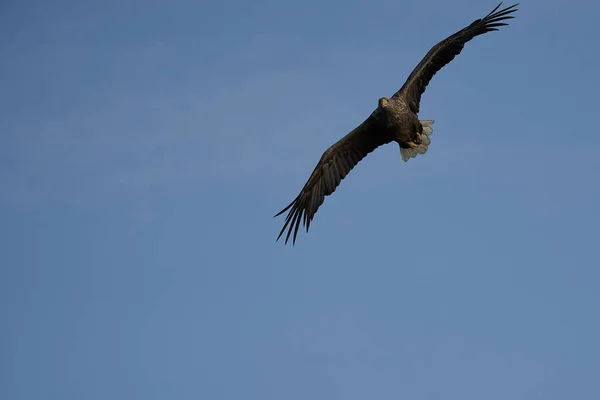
column 445, row 51
column 335, row 164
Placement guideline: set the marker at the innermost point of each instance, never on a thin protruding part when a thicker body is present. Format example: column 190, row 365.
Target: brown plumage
column 394, row 119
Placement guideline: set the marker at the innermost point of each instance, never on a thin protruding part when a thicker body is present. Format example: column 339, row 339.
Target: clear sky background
column 146, row 145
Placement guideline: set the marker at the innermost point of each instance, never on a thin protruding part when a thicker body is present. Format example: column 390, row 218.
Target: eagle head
column 384, row 102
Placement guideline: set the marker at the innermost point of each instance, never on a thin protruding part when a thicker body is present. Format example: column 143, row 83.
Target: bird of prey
column 394, row 120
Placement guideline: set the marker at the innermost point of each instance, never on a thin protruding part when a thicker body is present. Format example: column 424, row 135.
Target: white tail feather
column 409, row 153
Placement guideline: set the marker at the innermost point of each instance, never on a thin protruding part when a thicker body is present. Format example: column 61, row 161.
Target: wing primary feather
column 308, row 209
column 292, row 224
column 296, row 228
column 497, row 7
column 288, row 222
column 306, row 214
column 287, row 237
column 285, row 209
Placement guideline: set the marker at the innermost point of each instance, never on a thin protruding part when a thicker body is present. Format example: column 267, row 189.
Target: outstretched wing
column 445, row 51
column 335, row 164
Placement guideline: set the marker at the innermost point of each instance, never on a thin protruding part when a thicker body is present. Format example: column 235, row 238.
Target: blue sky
column 146, row 145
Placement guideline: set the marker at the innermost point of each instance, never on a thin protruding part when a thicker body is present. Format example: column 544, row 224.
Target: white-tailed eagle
column 394, row 120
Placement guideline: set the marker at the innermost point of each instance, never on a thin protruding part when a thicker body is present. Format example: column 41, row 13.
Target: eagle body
column 397, row 118
column 394, row 120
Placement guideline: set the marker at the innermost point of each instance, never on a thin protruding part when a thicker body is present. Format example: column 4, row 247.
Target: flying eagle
column 394, row 120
